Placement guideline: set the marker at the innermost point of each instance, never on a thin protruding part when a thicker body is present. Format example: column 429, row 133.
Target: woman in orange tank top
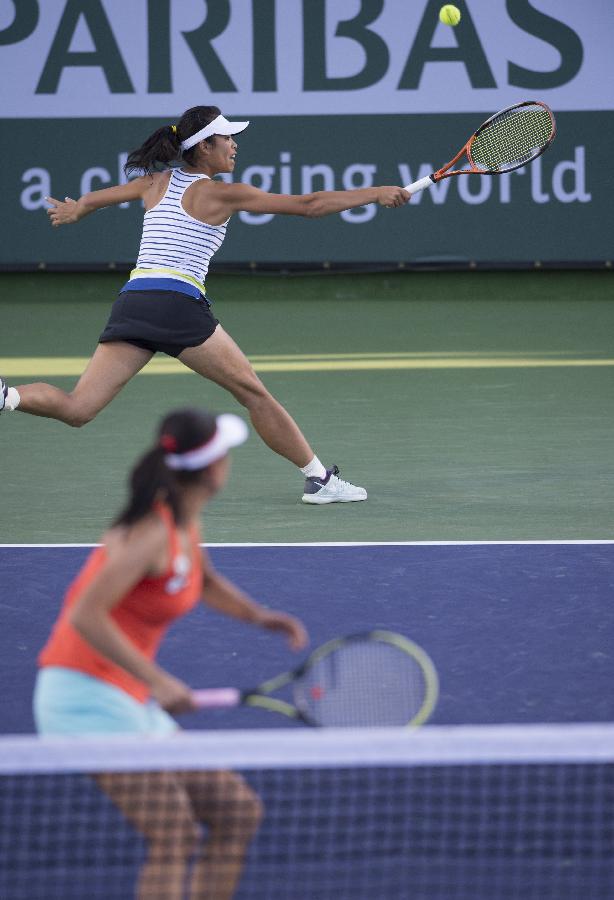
column 98, row 670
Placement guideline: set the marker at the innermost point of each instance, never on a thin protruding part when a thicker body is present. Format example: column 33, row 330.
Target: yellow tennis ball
column 449, row 15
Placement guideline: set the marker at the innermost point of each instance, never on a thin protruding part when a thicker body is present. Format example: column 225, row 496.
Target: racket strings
column 363, row 684
column 512, row 138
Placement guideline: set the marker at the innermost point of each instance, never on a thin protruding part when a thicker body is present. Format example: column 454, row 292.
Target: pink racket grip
column 216, row 698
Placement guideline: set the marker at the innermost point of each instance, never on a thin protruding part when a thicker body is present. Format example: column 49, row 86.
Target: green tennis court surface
column 473, row 406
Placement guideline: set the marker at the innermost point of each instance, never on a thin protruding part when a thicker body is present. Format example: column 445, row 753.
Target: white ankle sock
column 12, row 399
column 314, row 469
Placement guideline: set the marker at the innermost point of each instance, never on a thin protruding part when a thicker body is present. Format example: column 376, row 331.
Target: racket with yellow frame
column 376, row 678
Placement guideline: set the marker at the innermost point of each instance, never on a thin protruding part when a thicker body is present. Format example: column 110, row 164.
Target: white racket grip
column 419, row 185
column 216, row 698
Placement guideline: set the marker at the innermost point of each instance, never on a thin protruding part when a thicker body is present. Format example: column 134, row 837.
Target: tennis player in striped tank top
column 164, row 306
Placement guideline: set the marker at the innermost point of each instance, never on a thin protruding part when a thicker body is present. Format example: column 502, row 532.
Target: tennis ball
column 449, row 15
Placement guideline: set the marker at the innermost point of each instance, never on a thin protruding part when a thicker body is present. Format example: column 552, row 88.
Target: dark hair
column 151, row 479
column 164, row 145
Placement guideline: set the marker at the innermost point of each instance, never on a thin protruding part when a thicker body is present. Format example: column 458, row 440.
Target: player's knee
column 78, row 416
column 253, row 812
column 250, row 392
column 177, row 842
column 188, row 839
column 238, row 811
column 78, row 420
column 243, row 816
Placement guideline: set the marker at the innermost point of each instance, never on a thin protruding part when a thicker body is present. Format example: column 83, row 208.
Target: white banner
column 96, row 58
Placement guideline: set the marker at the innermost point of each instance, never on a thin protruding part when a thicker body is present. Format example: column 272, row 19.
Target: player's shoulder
column 150, row 183
column 227, row 189
column 215, row 184
column 151, row 531
column 157, row 178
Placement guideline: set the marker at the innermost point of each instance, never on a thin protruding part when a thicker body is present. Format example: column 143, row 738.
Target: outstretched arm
column 69, row 211
column 226, row 199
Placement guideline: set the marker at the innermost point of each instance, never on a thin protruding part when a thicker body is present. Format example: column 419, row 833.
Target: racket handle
column 216, row 698
column 419, row 185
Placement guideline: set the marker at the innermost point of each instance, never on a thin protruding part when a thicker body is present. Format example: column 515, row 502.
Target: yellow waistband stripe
column 163, row 272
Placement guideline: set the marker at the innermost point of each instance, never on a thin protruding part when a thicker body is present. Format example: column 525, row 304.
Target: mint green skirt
column 69, row 702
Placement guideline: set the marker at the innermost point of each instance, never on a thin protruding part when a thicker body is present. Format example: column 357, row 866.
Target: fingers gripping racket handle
column 217, row 698
column 420, row 184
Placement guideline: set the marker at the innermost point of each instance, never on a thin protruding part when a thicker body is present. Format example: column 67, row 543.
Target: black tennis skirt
column 160, row 321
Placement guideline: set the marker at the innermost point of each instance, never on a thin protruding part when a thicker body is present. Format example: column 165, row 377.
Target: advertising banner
column 340, row 94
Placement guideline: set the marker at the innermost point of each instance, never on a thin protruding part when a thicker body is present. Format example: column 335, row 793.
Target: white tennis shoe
column 331, row 489
column 4, row 389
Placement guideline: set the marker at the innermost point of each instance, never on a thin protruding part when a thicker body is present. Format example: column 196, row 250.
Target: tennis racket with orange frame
column 506, row 141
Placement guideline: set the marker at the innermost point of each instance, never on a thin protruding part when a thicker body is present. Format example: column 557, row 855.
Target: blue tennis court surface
column 518, row 632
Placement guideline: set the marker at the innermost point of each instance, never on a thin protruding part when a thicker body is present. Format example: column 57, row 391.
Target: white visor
column 218, row 126
column 230, row 432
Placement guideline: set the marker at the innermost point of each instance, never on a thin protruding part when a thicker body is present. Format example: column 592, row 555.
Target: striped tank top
column 174, row 245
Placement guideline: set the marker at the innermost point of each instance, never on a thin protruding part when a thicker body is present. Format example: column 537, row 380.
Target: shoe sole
column 312, row 499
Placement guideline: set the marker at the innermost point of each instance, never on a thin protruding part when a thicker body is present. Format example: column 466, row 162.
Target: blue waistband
column 162, row 284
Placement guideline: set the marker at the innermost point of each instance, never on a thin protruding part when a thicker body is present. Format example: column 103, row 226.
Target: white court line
column 353, row 544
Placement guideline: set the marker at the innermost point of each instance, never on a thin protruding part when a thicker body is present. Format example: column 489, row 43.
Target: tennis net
column 442, row 813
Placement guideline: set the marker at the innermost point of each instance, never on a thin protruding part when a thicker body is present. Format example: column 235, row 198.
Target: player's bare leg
column 156, row 804
column 221, row 360
column 232, row 812
column 110, row 368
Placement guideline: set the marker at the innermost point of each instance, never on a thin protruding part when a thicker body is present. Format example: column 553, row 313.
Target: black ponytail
column 161, row 148
column 152, row 481
column 164, row 146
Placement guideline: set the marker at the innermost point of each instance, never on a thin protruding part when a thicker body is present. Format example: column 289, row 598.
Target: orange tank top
column 144, row 614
